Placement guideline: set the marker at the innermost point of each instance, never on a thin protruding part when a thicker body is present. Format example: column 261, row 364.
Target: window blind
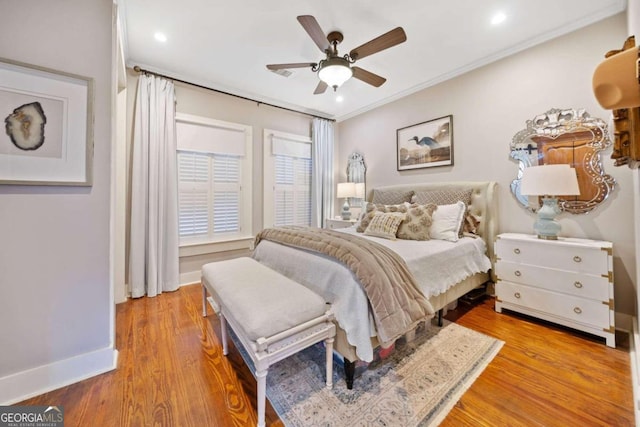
column 292, row 190
column 209, row 194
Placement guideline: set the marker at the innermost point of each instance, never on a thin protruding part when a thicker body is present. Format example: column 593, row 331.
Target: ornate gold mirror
column 571, row 137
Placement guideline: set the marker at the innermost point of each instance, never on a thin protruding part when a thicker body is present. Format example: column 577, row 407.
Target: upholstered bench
column 272, row 316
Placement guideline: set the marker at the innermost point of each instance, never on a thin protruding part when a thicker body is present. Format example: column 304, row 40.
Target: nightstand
column 566, row 281
column 339, row 223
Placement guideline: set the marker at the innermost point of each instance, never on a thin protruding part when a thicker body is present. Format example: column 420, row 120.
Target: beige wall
column 489, row 105
column 207, row 103
column 56, row 307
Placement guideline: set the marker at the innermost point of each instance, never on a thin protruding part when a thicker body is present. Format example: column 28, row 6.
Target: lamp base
column 546, row 227
column 346, row 210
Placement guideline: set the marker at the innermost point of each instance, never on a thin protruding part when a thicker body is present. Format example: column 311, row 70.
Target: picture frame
column 47, row 121
column 425, row 145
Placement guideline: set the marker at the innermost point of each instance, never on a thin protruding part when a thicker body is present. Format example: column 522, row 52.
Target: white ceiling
column 225, row 45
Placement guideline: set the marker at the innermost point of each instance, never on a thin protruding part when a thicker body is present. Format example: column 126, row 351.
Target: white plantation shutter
column 303, row 191
column 193, row 194
column 292, row 190
column 287, row 167
column 226, row 193
column 209, row 194
column 215, row 174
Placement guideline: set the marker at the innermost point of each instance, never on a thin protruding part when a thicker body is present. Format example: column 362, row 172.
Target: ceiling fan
column 334, row 70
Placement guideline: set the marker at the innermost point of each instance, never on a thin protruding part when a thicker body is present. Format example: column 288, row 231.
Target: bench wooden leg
column 204, row 301
column 223, row 333
column 261, row 378
column 329, row 370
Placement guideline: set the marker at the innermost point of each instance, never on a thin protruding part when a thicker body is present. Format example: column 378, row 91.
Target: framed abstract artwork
column 47, row 118
column 425, row 145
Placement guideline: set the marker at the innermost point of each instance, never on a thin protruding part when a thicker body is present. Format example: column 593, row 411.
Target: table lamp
column 346, row 190
column 549, row 181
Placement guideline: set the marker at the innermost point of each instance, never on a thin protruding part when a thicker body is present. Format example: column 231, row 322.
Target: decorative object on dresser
column 565, row 136
column 345, row 191
column 616, row 86
column 339, row 223
column 425, row 145
column 549, row 181
column 568, row 281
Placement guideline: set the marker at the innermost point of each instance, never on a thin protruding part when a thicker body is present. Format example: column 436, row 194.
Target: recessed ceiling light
column 339, row 98
column 160, row 37
column 498, row 18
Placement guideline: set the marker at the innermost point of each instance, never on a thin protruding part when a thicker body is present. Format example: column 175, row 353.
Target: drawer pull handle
column 577, row 310
column 517, row 295
column 516, row 251
column 517, row 273
column 577, row 258
column 577, row 285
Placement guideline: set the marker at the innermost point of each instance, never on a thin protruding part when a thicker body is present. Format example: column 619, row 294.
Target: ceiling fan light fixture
column 334, row 71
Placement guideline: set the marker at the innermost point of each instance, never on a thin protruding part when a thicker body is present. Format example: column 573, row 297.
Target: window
column 214, row 180
column 292, row 190
column 209, row 194
column 287, row 179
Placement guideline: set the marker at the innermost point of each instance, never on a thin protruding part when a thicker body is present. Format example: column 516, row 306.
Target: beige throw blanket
column 396, row 300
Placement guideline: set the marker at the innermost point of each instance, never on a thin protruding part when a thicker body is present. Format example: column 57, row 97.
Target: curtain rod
column 137, row 69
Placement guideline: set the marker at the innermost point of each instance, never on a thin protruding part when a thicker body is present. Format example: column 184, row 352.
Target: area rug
column 416, row 385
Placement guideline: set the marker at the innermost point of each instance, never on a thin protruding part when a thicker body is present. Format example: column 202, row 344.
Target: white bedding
column 436, row 264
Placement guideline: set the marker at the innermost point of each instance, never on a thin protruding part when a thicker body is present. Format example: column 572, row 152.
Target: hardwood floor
column 171, row 372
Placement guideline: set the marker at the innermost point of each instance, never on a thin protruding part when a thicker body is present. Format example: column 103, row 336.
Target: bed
column 458, row 274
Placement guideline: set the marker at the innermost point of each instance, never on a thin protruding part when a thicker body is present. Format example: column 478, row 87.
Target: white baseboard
column 634, row 354
column 624, row 322
column 190, row 278
column 34, row 382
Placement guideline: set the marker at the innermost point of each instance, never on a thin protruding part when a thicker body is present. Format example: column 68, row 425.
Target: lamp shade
column 346, row 189
column 359, row 190
column 549, row 180
column 335, row 71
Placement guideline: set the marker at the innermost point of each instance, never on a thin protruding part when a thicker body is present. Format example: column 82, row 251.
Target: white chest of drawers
column 566, row 281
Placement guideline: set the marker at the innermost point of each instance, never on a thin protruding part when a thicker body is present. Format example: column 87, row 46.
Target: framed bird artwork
column 426, row 145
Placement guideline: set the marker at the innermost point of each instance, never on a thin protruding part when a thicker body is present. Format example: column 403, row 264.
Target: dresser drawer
column 554, row 254
column 589, row 312
column 567, row 282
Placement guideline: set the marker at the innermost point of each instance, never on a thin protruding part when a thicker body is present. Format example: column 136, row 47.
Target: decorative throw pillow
column 470, row 225
column 445, row 197
column 385, row 224
column 371, row 210
column 367, row 216
column 417, row 223
column 391, row 197
column 447, row 221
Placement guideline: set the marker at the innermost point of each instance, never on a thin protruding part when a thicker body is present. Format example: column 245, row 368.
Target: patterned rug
column 417, row 385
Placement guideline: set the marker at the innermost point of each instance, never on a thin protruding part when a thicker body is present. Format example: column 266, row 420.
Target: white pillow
column 447, row 220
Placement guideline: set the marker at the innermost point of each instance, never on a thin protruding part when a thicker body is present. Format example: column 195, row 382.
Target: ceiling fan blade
column 385, row 41
column 312, row 28
column 294, row 65
column 322, row 86
column 368, row 77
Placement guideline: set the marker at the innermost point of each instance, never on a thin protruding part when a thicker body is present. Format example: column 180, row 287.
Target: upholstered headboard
column 484, row 205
